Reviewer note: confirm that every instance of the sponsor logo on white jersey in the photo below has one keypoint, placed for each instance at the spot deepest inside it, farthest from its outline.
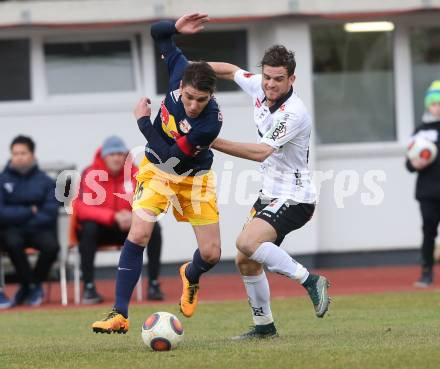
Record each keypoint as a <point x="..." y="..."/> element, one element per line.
<point x="280" y="131"/>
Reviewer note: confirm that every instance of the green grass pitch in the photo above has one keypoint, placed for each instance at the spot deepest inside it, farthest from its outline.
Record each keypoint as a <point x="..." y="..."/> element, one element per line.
<point x="399" y="330"/>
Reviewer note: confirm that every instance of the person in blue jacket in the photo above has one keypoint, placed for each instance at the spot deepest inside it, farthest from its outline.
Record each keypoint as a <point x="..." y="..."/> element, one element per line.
<point x="28" y="218"/>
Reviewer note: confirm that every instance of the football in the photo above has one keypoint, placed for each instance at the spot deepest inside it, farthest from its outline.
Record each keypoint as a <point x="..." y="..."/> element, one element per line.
<point x="162" y="331"/>
<point x="422" y="150"/>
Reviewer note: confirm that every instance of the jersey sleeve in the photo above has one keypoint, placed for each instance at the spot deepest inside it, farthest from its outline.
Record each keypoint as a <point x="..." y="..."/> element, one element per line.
<point x="249" y="83"/>
<point x="286" y="126"/>
<point x="162" y="33"/>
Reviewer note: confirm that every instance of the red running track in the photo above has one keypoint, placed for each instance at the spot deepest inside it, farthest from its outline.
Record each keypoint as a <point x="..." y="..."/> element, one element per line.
<point x="216" y="287"/>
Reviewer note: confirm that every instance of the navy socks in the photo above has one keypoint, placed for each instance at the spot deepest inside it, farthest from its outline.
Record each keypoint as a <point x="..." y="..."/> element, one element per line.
<point x="197" y="267"/>
<point x="129" y="271"/>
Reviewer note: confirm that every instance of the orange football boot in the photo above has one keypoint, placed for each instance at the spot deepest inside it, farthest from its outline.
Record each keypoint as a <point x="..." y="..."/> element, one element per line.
<point x="112" y="323"/>
<point x="189" y="299"/>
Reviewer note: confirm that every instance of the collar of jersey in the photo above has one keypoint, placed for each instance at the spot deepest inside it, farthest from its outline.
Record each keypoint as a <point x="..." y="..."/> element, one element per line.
<point x="279" y="102"/>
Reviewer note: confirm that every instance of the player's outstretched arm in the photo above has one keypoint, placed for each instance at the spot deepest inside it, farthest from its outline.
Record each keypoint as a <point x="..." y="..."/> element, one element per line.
<point x="163" y="32"/>
<point x="224" y="70"/>
<point x="251" y="151"/>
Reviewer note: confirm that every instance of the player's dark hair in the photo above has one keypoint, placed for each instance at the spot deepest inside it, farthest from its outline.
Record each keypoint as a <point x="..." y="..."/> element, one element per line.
<point x="24" y="140"/>
<point x="279" y="56"/>
<point x="201" y="76"/>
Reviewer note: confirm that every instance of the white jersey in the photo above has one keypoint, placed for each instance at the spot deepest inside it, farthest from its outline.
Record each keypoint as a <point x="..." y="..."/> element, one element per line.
<point x="285" y="126"/>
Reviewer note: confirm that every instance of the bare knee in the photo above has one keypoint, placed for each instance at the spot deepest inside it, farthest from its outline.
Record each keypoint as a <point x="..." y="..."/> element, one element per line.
<point x="139" y="235"/>
<point x="246" y="266"/>
<point x="246" y="244"/>
<point x="211" y="252"/>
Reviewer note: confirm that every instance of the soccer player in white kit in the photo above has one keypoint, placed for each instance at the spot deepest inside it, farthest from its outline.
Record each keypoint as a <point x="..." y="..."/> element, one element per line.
<point x="287" y="197"/>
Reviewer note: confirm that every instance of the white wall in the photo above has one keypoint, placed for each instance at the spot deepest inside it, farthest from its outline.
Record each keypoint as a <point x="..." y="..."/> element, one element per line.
<point x="350" y="224"/>
<point x="71" y="131"/>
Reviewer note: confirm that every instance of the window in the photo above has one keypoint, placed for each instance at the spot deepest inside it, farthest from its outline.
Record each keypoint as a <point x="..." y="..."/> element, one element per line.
<point x="88" y="67"/>
<point x="15" y="70"/>
<point x="425" y="52"/>
<point x="225" y="46"/>
<point x="353" y="85"/>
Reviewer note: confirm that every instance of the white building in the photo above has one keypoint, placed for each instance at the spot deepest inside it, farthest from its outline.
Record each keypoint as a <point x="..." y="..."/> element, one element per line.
<point x="71" y="71"/>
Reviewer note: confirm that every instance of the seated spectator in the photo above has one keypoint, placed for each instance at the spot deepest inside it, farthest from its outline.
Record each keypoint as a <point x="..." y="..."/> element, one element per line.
<point x="28" y="218"/>
<point x="103" y="210"/>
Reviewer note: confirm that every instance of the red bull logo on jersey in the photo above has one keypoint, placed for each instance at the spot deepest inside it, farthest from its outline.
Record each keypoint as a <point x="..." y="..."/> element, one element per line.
<point x="164" y="114"/>
<point x="168" y="123"/>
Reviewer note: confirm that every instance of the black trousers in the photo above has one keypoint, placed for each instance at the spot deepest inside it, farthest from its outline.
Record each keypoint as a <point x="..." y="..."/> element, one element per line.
<point x="430" y="210"/>
<point x="93" y="235"/>
<point x="15" y="242"/>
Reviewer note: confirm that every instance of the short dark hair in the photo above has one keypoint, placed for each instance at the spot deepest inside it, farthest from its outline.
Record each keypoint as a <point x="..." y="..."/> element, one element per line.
<point x="279" y="56"/>
<point x="201" y="76"/>
<point x="24" y="140"/>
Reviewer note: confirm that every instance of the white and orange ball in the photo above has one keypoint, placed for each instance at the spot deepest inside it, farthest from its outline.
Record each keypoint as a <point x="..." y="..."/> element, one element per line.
<point x="421" y="151"/>
<point x="162" y="331"/>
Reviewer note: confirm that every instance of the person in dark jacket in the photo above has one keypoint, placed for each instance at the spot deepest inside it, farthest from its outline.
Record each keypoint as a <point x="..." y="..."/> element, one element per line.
<point x="428" y="183"/>
<point x="107" y="219"/>
<point x="28" y="218"/>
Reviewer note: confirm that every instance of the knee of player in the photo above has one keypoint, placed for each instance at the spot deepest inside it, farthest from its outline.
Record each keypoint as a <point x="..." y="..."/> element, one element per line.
<point x="246" y="244"/>
<point x="139" y="236"/>
<point x="212" y="254"/>
<point x="248" y="267"/>
<point x="241" y="261"/>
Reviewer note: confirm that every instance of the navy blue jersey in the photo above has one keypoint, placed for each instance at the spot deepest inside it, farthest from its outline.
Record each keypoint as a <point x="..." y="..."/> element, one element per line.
<point x="187" y="138"/>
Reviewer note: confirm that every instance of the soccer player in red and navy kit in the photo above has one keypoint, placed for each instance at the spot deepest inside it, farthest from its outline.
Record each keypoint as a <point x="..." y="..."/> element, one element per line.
<point x="176" y="171"/>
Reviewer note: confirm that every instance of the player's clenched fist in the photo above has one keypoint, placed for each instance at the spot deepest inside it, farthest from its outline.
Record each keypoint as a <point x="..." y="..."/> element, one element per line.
<point x="142" y="108"/>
